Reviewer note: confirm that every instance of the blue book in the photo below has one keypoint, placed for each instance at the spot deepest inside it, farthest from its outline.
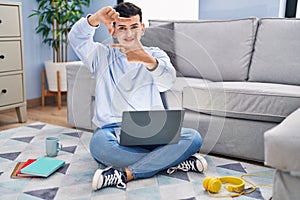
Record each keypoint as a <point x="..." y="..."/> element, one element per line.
<point x="43" y="167"/>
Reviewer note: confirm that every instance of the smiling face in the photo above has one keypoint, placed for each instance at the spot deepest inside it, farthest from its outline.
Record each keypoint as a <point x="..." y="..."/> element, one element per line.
<point x="127" y="32"/>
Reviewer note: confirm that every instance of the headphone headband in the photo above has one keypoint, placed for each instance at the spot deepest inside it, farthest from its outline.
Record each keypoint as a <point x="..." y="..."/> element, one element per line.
<point x="214" y="184"/>
<point x="236" y="184"/>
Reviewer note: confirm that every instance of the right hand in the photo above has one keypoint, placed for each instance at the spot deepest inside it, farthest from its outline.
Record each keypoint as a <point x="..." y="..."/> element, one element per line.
<point x="106" y="15"/>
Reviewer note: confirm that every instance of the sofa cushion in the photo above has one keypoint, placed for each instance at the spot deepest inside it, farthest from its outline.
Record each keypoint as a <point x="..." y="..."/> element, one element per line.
<point x="215" y="50"/>
<point x="277" y="48"/>
<point x="173" y="97"/>
<point x="80" y="95"/>
<point x="282" y="144"/>
<point x="245" y="100"/>
<point x="160" y="34"/>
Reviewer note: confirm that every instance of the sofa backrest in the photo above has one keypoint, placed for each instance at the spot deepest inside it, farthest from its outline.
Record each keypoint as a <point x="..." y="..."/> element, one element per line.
<point x="276" y="57"/>
<point x="215" y="50"/>
<point x="160" y="34"/>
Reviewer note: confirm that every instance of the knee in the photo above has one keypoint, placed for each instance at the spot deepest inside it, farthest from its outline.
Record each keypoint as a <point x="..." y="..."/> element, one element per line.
<point x="193" y="135"/>
<point x="97" y="144"/>
<point x="94" y="143"/>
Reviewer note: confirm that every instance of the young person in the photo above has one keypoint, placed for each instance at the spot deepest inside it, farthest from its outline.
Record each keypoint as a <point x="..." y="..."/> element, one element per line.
<point x="129" y="76"/>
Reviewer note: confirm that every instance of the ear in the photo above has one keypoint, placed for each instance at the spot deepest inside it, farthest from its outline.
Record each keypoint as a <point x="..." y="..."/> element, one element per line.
<point x="143" y="29"/>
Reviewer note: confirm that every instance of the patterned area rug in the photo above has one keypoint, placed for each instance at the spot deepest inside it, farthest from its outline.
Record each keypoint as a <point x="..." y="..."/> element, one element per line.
<point x="73" y="181"/>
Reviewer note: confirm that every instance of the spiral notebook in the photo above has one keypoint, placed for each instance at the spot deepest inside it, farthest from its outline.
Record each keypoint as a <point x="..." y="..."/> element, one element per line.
<point x="43" y="167"/>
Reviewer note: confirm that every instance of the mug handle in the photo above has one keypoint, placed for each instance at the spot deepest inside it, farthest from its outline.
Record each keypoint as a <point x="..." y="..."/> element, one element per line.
<point x="59" y="146"/>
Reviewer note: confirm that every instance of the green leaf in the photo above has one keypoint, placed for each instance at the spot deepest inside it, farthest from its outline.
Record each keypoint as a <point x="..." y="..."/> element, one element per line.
<point x="62" y="12"/>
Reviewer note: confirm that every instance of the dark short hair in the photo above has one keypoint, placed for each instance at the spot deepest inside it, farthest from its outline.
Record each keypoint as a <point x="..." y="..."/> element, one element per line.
<point x="127" y="9"/>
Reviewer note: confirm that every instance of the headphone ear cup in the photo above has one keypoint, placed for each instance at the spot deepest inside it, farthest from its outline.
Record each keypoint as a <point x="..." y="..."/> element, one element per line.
<point x="206" y="182"/>
<point x="212" y="184"/>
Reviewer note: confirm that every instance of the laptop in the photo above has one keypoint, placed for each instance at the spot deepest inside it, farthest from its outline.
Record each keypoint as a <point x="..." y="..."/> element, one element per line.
<point x="153" y="127"/>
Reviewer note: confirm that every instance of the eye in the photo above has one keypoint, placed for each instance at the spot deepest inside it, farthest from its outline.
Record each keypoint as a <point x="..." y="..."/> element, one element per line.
<point x="134" y="27"/>
<point x="122" y="28"/>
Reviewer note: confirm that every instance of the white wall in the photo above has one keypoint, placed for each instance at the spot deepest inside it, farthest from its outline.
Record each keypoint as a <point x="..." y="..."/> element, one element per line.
<point x="167" y="10"/>
<point x="232" y="9"/>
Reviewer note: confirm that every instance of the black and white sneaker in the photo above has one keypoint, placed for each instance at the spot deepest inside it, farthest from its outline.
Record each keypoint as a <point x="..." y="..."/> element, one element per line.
<point x="108" y="177"/>
<point x="196" y="163"/>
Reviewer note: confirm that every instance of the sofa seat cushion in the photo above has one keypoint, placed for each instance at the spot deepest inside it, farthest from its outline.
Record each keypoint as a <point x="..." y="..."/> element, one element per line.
<point x="173" y="97"/>
<point x="282" y="144"/>
<point x="245" y="100"/>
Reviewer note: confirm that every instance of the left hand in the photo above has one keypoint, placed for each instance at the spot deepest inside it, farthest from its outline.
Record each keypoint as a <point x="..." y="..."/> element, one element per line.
<point x="135" y="53"/>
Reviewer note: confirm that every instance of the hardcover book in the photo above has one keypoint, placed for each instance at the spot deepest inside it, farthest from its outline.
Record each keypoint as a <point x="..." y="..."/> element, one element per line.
<point x="16" y="173"/>
<point x="28" y="162"/>
<point x="43" y="167"/>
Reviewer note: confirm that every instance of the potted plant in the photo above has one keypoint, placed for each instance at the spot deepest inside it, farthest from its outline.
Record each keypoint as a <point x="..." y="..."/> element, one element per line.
<point x="56" y="17"/>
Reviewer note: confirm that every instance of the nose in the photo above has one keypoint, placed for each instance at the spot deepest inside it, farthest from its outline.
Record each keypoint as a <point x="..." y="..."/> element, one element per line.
<point x="128" y="33"/>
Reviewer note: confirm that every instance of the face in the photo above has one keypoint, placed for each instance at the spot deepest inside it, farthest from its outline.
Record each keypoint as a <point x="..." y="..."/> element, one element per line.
<point x="127" y="32"/>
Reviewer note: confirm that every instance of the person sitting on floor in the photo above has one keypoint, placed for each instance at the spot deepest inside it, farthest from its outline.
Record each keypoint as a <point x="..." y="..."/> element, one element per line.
<point x="129" y="76"/>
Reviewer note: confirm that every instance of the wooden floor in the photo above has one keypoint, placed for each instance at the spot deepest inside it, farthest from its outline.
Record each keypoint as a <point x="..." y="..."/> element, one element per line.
<point x="48" y="114"/>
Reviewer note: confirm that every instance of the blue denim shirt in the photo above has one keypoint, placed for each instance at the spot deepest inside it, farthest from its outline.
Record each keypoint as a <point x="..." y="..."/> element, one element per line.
<point x="120" y="85"/>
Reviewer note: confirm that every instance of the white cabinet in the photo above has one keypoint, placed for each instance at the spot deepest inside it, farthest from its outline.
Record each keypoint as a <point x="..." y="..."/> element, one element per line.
<point x="12" y="78"/>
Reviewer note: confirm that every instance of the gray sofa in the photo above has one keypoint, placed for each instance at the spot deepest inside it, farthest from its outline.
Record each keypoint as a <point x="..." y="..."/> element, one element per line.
<point x="236" y="79"/>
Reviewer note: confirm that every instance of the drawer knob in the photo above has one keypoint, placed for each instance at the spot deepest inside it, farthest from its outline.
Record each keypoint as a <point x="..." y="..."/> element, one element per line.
<point x="0" y="21"/>
<point x="3" y="91"/>
<point x="2" y="56"/>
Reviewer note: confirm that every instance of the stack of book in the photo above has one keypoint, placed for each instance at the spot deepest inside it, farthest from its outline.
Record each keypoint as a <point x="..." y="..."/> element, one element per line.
<point x="34" y="168"/>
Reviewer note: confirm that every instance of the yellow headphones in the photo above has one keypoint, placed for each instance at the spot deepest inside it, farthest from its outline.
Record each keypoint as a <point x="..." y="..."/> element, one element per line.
<point x="214" y="185"/>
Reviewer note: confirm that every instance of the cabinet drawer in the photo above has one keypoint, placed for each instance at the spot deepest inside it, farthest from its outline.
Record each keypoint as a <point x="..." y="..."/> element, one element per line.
<point x="10" y="56"/>
<point x="9" y="21"/>
<point x="11" y="90"/>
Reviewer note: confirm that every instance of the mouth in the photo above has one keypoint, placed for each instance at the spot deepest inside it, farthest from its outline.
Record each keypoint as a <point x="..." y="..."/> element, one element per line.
<point x="129" y="39"/>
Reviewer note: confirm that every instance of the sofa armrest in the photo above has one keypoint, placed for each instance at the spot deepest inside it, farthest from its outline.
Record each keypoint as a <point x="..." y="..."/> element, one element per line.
<point x="80" y="95"/>
<point x="282" y="144"/>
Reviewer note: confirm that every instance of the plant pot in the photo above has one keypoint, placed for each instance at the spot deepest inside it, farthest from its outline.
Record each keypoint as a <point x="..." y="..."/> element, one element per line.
<point x="51" y="69"/>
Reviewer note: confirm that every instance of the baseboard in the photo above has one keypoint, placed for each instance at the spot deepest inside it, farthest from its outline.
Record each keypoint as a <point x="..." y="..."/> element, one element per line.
<point x="50" y="100"/>
<point x="33" y="102"/>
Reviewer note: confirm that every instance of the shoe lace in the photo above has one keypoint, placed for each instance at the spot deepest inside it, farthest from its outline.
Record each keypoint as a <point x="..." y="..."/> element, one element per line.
<point x="185" y="166"/>
<point x="114" y="179"/>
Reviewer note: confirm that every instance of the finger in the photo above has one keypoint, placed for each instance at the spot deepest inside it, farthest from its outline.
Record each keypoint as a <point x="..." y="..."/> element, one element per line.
<point x="121" y="47"/>
<point x="111" y="13"/>
<point x="117" y="45"/>
<point x="107" y="9"/>
<point x="115" y="16"/>
<point x="122" y="19"/>
<point x="110" y="28"/>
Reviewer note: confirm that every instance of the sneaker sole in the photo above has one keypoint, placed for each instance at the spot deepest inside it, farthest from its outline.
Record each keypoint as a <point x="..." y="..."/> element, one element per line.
<point x="97" y="176"/>
<point x="203" y="162"/>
